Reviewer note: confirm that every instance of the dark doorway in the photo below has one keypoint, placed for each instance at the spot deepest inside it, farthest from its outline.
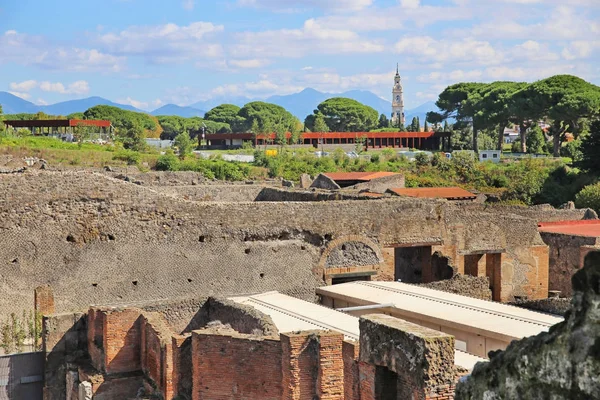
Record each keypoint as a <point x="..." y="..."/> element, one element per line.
<point x="409" y="263"/>
<point x="440" y="267"/>
<point x="386" y="384"/>
<point x="346" y="279"/>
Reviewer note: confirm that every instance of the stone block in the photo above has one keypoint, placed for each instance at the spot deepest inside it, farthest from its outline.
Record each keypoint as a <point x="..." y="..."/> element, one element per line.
<point x="324" y="182"/>
<point x="421" y="357"/>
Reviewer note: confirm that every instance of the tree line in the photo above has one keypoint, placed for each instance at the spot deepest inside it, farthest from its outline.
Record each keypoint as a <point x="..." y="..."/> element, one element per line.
<point x="566" y="102"/>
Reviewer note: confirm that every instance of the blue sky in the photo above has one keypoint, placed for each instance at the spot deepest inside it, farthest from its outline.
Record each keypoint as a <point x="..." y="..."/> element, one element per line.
<point x="152" y="52"/>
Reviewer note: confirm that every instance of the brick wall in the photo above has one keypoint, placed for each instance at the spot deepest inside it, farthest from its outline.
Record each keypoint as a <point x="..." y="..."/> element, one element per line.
<point x="350" y="352"/>
<point x="330" y="381"/>
<point x="157" y="353"/>
<point x="122" y="340"/>
<point x="44" y="300"/>
<point x="299" y="364"/>
<point x="227" y="366"/>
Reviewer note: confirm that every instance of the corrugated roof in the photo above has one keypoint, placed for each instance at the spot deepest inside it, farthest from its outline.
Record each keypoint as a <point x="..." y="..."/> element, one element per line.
<point x="588" y="228"/>
<point x="451" y="193"/>
<point x="291" y="315"/>
<point x="358" y="176"/>
<point x="488" y="318"/>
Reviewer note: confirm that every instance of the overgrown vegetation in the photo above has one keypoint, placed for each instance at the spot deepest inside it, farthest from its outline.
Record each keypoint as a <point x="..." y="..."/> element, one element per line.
<point x="17" y="334"/>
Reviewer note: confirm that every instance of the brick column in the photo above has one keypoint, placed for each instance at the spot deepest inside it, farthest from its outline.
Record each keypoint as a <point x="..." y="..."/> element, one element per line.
<point x="351" y="377"/>
<point x="122" y="340"/>
<point x="330" y="383"/>
<point x="44" y="300"/>
<point x="299" y="365"/>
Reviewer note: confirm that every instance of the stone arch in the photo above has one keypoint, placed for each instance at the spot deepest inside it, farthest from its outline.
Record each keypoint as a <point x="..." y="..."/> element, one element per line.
<point x="351" y="254"/>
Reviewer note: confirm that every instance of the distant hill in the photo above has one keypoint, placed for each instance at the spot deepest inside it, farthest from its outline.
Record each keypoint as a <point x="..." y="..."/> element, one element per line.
<point x="239" y="101"/>
<point x="420" y="111"/>
<point x="173" y="109"/>
<point x="80" y="105"/>
<point x="305" y="102"/>
<point x="14" y="105"/>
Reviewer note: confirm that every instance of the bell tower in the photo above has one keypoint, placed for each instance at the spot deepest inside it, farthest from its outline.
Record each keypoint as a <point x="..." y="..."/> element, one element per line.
<point x="398" y="100"/>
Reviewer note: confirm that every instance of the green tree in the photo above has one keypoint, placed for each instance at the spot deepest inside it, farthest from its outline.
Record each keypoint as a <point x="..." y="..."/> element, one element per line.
<point x="426" y="127"/>
<point x="183" y="142"/>
<point x="536" y="142"/>
<point x="123" y="120"/>
<point x="589" y="197"/>
<point x="565" y="100"/>
<point x="319" y="123"/>
<point x="414" y="126"/>
<point x="462" y="102"/>
<point x="347" y="115"/>
<point x="268" y="116"/>
<point x="225" y="113"/>
<point x="383" y="122"/>
<point x="590" y="147"/>
<point x="134" y="136"/>
<point x="446" y="127"/>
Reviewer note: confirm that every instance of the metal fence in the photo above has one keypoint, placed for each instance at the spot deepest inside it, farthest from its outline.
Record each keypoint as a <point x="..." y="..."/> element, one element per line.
<point x="22" y="376"/>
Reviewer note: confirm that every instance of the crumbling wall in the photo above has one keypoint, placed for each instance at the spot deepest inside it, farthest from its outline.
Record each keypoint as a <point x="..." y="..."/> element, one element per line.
<point x="280" y="194"/>
<point x="473" y="286"/>
<point x="381" y="185"/>
<point x="102" y="240"/>
<point x="560" y="364"/>
<point x="220" y="193"/>
<point x="565" y="258"/>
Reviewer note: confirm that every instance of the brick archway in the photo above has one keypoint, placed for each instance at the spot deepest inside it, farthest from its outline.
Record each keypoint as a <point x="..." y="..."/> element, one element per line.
<point x="350" y="257"/>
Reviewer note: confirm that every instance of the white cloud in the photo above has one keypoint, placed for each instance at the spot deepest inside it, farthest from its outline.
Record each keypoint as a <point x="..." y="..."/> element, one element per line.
<point x="534" y="51"/>
<point x="136" y="103"/>
<point x="22" y="95"/>
<point x="580" y="49"/>
<point x="410" y="3"/>
<point x="295" y="43"/>
<point x="188" y="4"/>
<point x="251" y="63"/>
<point x="78" y="87"/>
<point x="453" y="76"/>
<point x="24" y="86"/>
<point x="24" y="49"/>
<point x="165" y="43"/>
<point x="41" y="102"/>
<point x="297" y="5"/>
<point x="427" y="49"/>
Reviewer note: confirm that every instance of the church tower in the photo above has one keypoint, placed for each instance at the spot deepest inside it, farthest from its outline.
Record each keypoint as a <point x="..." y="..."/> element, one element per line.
<point x="398" y="100"/>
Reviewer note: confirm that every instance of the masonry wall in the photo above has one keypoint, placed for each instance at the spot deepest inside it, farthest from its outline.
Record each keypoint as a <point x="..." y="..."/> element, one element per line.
<point x="79" y="229"/>
<point x="565" y="258"/>
<point x="226" y="367"/>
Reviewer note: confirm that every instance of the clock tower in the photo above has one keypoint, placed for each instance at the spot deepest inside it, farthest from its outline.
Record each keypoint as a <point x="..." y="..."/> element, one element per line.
<point x="398" y="100"/>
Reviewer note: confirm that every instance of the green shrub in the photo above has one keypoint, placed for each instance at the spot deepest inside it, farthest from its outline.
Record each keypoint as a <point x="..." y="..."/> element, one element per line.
<point x="589" y="197"/>
<point x="422" y="160"/>
<point x="129" y="156"/>
<point x="167" y="162"/>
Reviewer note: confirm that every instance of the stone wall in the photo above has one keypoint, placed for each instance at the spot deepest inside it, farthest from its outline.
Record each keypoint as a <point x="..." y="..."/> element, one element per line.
<point x="280" y="194"/>
<point x="102" y="240"/>
<point x="560" y="364"/>
<point x="220" y="193"/>
<point x="565" y="258"/>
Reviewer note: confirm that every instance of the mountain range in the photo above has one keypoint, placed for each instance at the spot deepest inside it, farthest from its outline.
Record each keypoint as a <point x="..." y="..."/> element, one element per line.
<point x="299" y="104"/>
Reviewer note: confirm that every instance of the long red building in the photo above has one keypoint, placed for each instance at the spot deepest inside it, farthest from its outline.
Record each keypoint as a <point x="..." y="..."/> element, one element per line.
<point x="51" y="126"/>
<point x="417" y="140"/>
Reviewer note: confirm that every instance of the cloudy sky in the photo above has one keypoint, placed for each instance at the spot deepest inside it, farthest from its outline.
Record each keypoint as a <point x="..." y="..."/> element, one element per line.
<point x="151" y="52"/>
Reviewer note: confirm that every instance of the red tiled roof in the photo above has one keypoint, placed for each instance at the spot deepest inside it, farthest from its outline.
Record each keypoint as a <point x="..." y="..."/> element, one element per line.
<point x="454" y="193"/>
<point x="357" y="176"/>
<point x="589" y="228"/>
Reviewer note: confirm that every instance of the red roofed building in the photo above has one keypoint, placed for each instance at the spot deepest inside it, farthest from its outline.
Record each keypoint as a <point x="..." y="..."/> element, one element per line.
<point x="372" y="140"/>
<point x="569" y="243"/>
<point x="59" y="126"/>
<point x="448" y="193"/>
